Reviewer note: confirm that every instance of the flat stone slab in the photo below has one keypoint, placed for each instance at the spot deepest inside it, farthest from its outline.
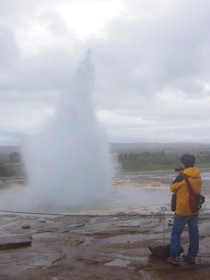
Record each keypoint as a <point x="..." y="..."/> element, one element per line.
<point x="14" y="242"/>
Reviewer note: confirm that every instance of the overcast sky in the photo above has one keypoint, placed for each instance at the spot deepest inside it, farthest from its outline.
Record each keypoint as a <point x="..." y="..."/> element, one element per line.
<point x="151" y="60"/>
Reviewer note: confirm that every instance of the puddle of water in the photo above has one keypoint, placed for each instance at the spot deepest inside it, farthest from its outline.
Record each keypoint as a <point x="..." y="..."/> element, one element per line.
<point x="118" y="262"/>
<point x="43" y="235"/>
<point x="123" y="260"/>
<point x="128" y="238"/>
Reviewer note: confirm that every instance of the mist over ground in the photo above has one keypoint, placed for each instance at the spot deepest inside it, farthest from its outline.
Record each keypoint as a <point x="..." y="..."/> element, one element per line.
<point x="68" y="163"/>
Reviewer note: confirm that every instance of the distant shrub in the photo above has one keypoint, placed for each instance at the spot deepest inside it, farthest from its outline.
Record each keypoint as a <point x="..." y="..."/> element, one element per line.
<point x="141" y="161"/>
<point x="10" y="170"/>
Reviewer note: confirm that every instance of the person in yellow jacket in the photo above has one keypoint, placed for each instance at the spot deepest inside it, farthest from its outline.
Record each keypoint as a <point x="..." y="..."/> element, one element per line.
<point x="183" y="214"/>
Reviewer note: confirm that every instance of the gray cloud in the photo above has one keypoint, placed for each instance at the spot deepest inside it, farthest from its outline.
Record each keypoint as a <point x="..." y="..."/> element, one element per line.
<point x="8" y="48"/>
<point x="168" y="52"/>
<point x="151" y="66"/>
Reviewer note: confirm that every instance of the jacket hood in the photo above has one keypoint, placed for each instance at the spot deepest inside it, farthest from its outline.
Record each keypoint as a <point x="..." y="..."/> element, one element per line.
<point x="192" y="172"/>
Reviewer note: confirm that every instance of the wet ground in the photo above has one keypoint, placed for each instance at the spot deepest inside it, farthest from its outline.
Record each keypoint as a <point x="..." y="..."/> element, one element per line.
<point x="108" y="246"/>
<point x="94" y="247"/>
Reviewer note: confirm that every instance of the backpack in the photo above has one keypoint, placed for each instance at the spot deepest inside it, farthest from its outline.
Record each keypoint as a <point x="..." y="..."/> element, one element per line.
<point x="173" y="202"/>
<point x="195" y="199"/>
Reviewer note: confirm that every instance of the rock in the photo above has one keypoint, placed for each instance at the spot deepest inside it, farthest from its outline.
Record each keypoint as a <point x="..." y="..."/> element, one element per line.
<point x="162" y="249"/>
<point x="26" y="227"/>
<point x="14" y="242"/>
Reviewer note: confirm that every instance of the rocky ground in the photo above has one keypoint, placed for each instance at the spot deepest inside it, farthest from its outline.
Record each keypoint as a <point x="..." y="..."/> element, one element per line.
<point x="114" y="246"/>
<point x="93" y="247"/>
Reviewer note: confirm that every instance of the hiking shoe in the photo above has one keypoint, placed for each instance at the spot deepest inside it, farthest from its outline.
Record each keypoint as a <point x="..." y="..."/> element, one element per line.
<point x="173" y="261"/>
<point x="188" y="259"/>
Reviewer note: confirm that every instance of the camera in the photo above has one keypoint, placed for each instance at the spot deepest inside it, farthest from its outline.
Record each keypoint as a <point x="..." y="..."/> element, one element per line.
<point x="178" y="169"/>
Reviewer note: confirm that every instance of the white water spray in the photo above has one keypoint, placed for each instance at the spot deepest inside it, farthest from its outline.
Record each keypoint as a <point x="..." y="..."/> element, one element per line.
<point x="68" y="163"/>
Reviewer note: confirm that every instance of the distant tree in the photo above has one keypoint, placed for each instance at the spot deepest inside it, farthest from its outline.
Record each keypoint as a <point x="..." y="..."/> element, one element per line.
<point x="14" y="157"/>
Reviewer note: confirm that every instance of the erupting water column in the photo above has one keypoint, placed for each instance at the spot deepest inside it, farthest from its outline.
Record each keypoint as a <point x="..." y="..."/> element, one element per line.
<point x="68" y="164"/>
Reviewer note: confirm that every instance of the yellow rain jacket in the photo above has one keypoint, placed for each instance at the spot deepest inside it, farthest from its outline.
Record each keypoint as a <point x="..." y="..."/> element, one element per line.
<point x="180" y="188"/>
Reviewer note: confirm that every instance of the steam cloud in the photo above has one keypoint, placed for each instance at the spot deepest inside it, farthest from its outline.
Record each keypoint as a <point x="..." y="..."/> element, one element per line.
<point x="68" y="164"/>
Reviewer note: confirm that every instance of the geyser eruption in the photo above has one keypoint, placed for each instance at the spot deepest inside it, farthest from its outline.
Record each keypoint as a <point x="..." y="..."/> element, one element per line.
<point x="68" y="163"/>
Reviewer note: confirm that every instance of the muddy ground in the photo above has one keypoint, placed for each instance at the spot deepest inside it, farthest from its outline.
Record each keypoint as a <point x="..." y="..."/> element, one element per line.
<point x="115" y="246"/>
